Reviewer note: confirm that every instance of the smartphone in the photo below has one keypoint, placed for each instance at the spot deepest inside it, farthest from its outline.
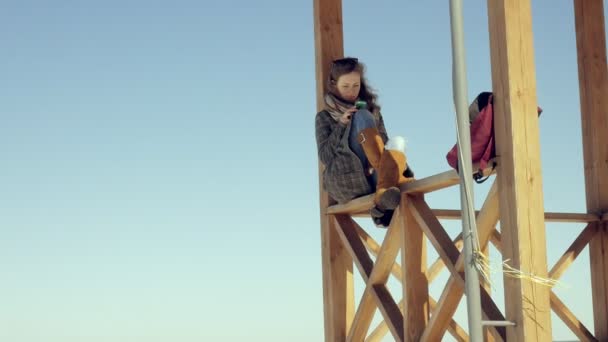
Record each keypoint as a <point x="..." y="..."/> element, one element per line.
<point x="360" y="104"/>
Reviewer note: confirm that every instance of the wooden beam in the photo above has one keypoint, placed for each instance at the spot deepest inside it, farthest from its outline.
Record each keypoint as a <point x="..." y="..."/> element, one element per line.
<point x="420" y="186"/>
<point x="454" y="289"/>
<point x="379" y="276"/>
<point x="338" y="286"/>
<point x="487" y="332"/>
<point x="436" y="182"/>
<point x="433" y="272"/>
<point x="519" y="167"/>
<point x="389" y="310"/>
<point x="560" y="309"/>
<point x="593" y="87"/>
<point x="455" y="214"/>
<point x="440" y="240"/>
<point x="373" y="247"/>
<point x="598" y="260"/>
<point x="329" y="42"/>
<point x="496" y="239"/>
<point x="355" y="206"/>
<point x="453" y="328"/>
<point x="413" y="259"/>
<point x="382" y="328"/>
<point x="572" y="252"/>
<point x="577" y="327"/>
<point x="347" y="229"/>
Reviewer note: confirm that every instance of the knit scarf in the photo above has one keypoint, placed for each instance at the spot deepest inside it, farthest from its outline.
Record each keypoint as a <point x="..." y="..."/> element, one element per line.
<point x="336" y="106"/>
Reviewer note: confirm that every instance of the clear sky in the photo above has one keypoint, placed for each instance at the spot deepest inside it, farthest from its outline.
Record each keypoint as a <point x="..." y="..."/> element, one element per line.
<point x="159" y="170"/>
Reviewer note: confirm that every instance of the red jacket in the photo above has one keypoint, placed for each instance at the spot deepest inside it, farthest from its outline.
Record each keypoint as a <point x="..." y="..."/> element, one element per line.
<point x="482" y="133"/>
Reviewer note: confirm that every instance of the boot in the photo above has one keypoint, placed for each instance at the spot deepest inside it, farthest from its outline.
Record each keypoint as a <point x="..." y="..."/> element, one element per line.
<point x="373" y="145"/>
<point x="390" y="166"/>
<point x="390" y="176"/>
<point x="385" y="220"/>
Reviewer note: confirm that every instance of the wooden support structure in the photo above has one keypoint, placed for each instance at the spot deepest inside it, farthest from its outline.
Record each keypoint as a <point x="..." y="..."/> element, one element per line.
<point x="338" y="284"/>
<point x="413" y="256"/>
<point x="519" y="167"/>
<point x="593" y="85"/>
<point x="515" y="199"/>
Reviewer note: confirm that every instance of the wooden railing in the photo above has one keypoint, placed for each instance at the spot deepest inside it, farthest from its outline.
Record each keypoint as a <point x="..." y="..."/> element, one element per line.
<point x="418" y="316"/>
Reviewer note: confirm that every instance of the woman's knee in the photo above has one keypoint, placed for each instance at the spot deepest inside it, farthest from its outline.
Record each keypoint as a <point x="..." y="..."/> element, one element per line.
<point x="396" y="143"/>
<point x="363" y="118"/>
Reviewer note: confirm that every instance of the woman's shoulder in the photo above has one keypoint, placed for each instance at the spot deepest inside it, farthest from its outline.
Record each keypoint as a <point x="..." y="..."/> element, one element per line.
<point x="322" y="112"/>
<point x="323" y="115"/>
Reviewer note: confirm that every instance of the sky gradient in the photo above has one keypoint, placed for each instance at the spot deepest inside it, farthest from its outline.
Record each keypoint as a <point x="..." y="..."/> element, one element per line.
<point x="159" y="170"/>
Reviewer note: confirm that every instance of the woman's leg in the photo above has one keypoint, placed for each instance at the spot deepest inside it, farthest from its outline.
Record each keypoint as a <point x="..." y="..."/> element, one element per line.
<point x="362" y="119"/>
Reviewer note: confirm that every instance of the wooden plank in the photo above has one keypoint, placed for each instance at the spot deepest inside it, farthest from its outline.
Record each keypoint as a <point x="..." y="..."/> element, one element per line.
<point x="457" y="332"/>
<point x="382" y="328"/>
<point x="496" y="240"/>
<point x="329" y="42"/>
<point x="488" y="336"/>
<point x="435" y="182"/>
<point x="360" y="206"/>
<point x="356" y="206"/>
<point x="440" y="181"/>
<point x="352" y="241"/>
<point x="373" y="247"/>
<point x="598" y="259"/>
<point x="365" y="313"/>
<point x="433" y="272"/>
<point x="454" y="328"/>
<point x="519" y="167"/>
<point x="413" y="259"/>
<point x="380" y="273"/>
<point x="450" y="297"/>
<point x="577" y="327"/>
<point x="593" y="87"/>
<point x="442" y="313"/>
<point x="572" y="252"/>
<point x="440" y="240"/>
<point x="560" y="309"/>
<point x="454" y="214"/>
<point x="337" y="266"/>
<point x="390" y="311"/>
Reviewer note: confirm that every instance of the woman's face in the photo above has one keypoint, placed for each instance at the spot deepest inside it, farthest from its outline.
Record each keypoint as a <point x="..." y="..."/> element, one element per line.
<point x="349" y="85"/>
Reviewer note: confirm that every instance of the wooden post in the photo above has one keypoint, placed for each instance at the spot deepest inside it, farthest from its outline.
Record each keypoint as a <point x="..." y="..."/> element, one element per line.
<point x="415" y="283"/>
<point x="519" y="167"/>
<point x="338" y="286"/>
<point x="487" y="332"/>
<point x="593" y="85"/>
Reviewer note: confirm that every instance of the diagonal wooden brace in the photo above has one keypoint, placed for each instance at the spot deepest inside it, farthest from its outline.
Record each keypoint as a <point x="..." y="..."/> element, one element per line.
<point x="486" y="222"/>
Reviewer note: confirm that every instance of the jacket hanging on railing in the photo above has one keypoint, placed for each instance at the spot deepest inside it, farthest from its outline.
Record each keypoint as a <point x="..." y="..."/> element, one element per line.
<point x="481" y="118"/>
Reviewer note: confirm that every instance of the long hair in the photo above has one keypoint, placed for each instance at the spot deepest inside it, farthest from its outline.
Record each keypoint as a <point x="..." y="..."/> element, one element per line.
<point x="345" y="66"/>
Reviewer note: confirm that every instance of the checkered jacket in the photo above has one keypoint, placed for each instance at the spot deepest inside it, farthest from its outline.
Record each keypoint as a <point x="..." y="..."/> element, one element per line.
<point x="343" y="176"/>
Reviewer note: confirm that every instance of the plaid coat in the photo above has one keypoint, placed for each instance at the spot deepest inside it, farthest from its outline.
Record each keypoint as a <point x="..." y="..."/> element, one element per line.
<point x="343" y="176"/>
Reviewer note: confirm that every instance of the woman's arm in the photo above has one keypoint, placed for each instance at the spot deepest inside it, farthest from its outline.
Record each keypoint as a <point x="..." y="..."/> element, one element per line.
<point x="327" y="140"/>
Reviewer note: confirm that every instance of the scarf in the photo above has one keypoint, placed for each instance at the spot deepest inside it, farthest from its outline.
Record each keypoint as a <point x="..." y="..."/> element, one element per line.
<point x="336" y="106"/>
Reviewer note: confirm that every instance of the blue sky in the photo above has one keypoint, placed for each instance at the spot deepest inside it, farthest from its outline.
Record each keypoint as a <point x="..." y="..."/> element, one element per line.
<point x="159" y="173"/>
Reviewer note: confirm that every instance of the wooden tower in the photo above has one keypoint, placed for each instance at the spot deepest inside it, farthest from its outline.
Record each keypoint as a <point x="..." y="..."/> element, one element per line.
<point x="515" y="199"/>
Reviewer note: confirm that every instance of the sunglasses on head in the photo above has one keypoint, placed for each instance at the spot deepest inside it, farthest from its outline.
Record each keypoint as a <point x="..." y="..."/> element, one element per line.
<point x="345" y="61"/>
<point x="349" y="62"/>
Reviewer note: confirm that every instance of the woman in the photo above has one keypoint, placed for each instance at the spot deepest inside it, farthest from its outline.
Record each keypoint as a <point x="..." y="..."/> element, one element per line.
<point x="351" y="144"/>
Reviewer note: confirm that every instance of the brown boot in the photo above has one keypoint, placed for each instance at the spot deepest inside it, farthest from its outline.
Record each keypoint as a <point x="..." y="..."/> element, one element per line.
<point x="390" y="166"/>
<point x="390" y="175"/>
<point x="373" y="146"/>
